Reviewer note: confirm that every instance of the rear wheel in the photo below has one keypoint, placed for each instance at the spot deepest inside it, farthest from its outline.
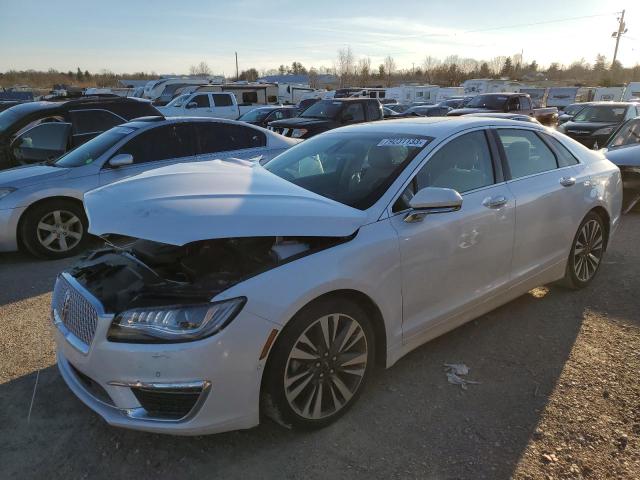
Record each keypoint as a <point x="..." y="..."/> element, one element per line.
<point x="320" y="364"/>
<point x="586" y="252"/>
<point x="55" y="229"/>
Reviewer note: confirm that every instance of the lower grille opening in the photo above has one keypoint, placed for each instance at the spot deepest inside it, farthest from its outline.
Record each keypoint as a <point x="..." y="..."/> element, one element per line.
<point x="93" y="387"/>
<point x="170" y="403"/>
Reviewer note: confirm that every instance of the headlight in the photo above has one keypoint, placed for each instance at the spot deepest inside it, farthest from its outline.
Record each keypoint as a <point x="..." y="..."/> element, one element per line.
<point x="177" y="323"/>
<point x="604" y="131"/>
<point x="298" y="132"/>
<point x="6" y="191"/>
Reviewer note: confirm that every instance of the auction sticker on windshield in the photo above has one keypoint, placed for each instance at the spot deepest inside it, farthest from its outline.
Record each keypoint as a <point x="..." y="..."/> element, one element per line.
<point x="403" y="142"/>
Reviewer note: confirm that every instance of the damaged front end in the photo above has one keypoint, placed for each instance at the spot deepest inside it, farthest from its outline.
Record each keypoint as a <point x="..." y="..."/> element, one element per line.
<point x="162" y="293"/>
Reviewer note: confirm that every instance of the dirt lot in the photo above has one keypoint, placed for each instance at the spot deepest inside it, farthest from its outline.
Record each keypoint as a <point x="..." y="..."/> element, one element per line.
<point x="559" y="398"/>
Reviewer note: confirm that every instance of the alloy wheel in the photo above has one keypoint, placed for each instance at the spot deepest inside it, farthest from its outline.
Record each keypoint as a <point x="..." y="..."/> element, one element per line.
<point x="59" y="231"/>
<point x="588" y="250"/>
<point x="326" y="366"/>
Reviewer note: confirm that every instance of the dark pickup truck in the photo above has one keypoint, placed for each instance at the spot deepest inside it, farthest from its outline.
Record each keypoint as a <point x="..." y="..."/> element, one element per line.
<point x="327" y="115"/>
<point x="508" y="103"/>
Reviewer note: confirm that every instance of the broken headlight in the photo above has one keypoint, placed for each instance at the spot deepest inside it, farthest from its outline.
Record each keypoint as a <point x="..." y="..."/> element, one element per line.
<point x="177" y="323"/>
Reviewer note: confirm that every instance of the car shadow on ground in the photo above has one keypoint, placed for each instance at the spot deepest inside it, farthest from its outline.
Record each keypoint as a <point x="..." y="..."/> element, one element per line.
<point x="409" y="423"/>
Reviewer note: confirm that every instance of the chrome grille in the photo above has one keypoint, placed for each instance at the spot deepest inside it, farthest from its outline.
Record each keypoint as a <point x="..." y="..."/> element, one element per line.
<point x="74" y="311"/>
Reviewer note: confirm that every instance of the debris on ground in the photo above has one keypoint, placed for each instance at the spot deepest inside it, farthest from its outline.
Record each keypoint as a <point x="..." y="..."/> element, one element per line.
<point x="455" y="372"/>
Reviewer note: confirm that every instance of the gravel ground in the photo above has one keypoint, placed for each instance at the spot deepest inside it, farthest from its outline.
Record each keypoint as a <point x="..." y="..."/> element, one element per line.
<point x="558" y="398"/>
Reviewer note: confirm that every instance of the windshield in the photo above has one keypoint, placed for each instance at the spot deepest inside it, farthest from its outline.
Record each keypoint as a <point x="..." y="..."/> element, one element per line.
<point x="573" y="109"/>
<point x="256" y="115"/>
<point x="323" y="109"/>
<point x="491" y="102"/>
<point x="601" y="114"/>
<point x="352" y="168"/>
<point x="629" y="134"/>
<point x="178" y="101"/>
<point x="88" y="152"/>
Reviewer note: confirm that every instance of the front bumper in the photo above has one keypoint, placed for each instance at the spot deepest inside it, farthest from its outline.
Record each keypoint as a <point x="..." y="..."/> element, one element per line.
<point x="9" y="219"/>
<point x="226" y="366"/>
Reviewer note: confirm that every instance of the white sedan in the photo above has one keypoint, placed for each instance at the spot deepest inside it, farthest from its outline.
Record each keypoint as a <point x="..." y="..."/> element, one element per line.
<point x="245" y="289"/>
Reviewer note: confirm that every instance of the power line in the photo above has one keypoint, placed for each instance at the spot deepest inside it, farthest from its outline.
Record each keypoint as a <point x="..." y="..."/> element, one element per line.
<point x="560" y="20"/>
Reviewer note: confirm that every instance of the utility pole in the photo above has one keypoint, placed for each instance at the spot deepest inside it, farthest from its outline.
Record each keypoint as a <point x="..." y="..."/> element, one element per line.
<point x="237" y="74"/>
<point x="622" y="29"/>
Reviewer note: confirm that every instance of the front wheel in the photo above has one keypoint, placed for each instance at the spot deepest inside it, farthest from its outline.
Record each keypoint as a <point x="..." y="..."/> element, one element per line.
<point x="320" y="364"/>
<point x="586" y="252"/>
<point x="55" y="229"/>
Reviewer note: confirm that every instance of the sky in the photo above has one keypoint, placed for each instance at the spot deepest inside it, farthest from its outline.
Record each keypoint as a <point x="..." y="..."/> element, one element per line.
<point x="168" y="36"/>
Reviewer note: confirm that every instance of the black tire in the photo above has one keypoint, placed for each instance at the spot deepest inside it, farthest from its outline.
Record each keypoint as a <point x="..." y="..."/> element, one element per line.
<point x="308" y="321"/>
<point x="70" y="229"/>
<point x="576" y="276"/>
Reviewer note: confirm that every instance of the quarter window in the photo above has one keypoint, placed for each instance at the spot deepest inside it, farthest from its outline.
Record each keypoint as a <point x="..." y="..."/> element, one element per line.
<point x="565" y="157"/>
<point x="526" y="153"/>
<point x="161" y="143"/>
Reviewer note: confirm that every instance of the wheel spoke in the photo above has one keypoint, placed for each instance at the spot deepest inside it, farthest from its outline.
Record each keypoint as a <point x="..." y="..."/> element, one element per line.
<point x="291" y="380"/>
<point x="72" y="221"/>
<point x="56" y="217"/>
<point x="302" y="355"/>
<point x="46" y="227"/>
<point x="317" y="406"/>
<point x="324" y="326"/>
<point x="49" y="240"/>
<point x="62" y="241"/>
<point x="293" y="394"/>
<point x="75" y="235"/>
<point x="356" y="338"/>
<point x="342" y="388"/>
<point x="354" y="360"/>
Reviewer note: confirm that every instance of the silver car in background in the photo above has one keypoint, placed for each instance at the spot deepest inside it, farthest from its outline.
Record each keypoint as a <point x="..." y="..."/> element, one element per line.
<point x="41" y="205"/>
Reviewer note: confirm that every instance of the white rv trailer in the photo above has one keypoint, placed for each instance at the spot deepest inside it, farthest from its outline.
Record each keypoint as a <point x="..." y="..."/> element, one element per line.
<point x="406" y="94"/>
<point x="445" y="93"/>
<point x="608" y="94"/>
<point x="631" y="91"/>
<point x="292" y="93"/>
<point x="361" y="92"/>
<point x="476" y="86"/>
<point x="562" y="96"/>
<point x="155" y="88"/>
<point x="247" y="94"/>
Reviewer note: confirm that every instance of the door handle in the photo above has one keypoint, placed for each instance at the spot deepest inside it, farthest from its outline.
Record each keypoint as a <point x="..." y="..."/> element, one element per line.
<point x="567" y="181"/>
<point x="495" y="202"/>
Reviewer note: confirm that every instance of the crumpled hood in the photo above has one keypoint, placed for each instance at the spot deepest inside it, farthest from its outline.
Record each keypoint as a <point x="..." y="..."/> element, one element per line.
<point x="29" y="174"/>
<point x="624" y="156"/>
<point x="187" y="202"/>
<point x="463" y="111"/>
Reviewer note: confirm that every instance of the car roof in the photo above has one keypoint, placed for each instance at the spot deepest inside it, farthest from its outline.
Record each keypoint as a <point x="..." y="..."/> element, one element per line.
<point x="434" y="126"/>
<point x="613" y="104"/>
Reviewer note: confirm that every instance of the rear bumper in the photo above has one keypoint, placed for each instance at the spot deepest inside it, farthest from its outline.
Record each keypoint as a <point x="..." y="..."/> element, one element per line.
<point x="9" y="219"/>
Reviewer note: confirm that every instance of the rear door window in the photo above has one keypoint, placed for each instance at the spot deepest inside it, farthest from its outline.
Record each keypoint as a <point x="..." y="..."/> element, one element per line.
<point x="526" y="153"/>
<point x="93" y="121"/>
<point x="162" y="143"/>
<point x="221" y="137"/>
<point x="355" y="111"/>
<point x="222" y="100"/>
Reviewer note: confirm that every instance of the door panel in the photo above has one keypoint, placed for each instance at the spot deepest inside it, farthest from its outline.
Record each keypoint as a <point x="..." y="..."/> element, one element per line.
<point x="452" y="260"/>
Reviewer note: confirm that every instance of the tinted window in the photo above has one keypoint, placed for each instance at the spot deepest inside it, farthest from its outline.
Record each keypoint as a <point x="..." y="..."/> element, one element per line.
<point x="354" y="169"/>
<point x="356" y="111"/>
<point x="525" y="104"/>
<point x="491" y="102"/>
<point x="373" y="111"/>
<point x="222" y="100"/>
<point x="629" y="134"/>
<point x="46" y="136"/>
<point x="323" y="109"/>
<point x="201" y="100"/>
<point x="526" y="152"/>
<point x="249" y="97"/>
<point x="92" y="121"/>
<point x="161" y="143"/>
<point x="88" y="152"/>
<point x="463" y="164"/>
<point x="565" y="157"/>
<point x="221" y="137"/>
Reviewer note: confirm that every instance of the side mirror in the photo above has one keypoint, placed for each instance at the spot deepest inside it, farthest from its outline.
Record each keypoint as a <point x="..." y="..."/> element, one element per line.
<point x="192" y="105"/>
<point x="433" y="200"/>
<point x="121" y="160"/>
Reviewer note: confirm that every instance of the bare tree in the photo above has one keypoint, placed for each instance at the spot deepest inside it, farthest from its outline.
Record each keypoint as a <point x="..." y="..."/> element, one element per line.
<point x="313" y="77"/>
<point x="496" y="64"/>
<point x="389" y="67"/>
<point x="430" y="64"/>
<point x="345" y="65"/>
<point x="364" y="70"/>
<point x="201" y="69"/>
